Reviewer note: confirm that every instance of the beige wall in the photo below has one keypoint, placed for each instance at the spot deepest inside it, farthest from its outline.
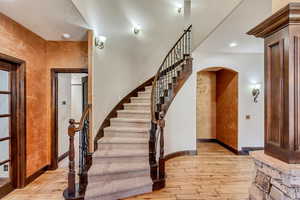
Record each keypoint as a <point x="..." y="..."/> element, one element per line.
<point x="206" y="105"/>
<point x="277" y="4"/>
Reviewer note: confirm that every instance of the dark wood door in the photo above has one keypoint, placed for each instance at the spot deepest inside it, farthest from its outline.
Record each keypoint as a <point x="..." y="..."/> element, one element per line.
<point x="12" y="127"/>
<point x="6" y="131"/>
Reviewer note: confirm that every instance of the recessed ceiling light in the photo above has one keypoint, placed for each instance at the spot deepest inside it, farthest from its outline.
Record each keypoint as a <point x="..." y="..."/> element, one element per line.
<point x="233" y="44"/>
<point x="66" y="35"/>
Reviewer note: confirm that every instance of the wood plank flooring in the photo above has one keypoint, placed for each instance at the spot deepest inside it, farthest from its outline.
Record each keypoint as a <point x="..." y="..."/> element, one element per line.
<point x="215" y="174"/>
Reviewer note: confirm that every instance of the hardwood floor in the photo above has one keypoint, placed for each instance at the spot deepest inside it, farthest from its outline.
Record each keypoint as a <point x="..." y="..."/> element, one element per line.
<point x="215" y="174"/>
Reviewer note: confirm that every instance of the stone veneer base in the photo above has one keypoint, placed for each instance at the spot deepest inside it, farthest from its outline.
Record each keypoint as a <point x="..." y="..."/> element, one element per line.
<point x="274" y="179"/>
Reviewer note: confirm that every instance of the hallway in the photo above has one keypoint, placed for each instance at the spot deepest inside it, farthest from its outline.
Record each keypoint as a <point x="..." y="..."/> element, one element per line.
<point x="215" y="174"/>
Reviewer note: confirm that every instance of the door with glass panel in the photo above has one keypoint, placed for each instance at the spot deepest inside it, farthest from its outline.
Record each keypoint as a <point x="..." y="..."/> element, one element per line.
<point x="5" y="125"/>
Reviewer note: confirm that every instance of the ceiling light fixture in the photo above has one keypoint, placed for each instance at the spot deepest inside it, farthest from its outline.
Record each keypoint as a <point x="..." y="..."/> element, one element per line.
<point x="99" y="42"/>
<point x="66" y="36"/>
<point x="136" y="29"/>
<point x="233" y="44"/>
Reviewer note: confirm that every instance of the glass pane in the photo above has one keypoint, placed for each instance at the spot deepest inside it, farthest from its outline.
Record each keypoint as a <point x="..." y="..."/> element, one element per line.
<point x="4" y="80"/>
<point x="4" y="150"/>
<point x="4" y="104"/>
<point x="4" y="127"/>
<point x="4" y="174"/>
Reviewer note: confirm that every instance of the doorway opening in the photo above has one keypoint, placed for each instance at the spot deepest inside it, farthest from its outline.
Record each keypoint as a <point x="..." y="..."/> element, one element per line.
<point x="12" y="124"/>
<point x="69" y="99"/>
<point x="217" y="107"/>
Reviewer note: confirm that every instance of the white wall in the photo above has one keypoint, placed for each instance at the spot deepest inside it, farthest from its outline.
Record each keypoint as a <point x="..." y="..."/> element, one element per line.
<point x="64" y="111"/>
<point x="180" y="131"/>
<point x="127" y="59"/>
<point x="76" y="96"/>
<point x="69" y="90"/>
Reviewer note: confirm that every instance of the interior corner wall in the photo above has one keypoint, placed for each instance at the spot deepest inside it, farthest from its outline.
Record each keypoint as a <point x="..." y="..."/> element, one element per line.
<point x="206" y="105"/>
<point x="17" y="41"/>
<point x="39" y="56"/>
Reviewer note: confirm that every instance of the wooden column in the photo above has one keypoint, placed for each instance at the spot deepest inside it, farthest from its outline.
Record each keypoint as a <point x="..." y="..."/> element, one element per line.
<point x="281" y="33"/>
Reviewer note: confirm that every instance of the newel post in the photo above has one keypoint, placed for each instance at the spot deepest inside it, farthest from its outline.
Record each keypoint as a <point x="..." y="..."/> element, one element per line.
<point x="161" y="124"/>
<point x="152" y="151"/>
<point x="71" y="174"/>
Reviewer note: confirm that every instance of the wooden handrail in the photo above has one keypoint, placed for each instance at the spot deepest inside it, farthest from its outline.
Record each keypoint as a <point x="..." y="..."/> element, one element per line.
<point x="83" y="117"/>
<point x="189" y="29"/>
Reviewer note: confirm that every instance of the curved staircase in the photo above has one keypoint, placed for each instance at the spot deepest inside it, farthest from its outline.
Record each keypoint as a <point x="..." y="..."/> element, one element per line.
<point x="129" y="154"/>
<point x="121" y="164"/>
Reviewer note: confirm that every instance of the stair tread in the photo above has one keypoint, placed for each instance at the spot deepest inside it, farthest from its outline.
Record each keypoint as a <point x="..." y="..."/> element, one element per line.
<point x="122" y="153"/>
<point x="119" y="185"/>
<point x="147" y="98"/>
<point x="137" y="104"/>
<point x="118" y="119"/>
<point x="111" y="168"/>
<point x="126" y="129"/>
<point x="146" y="91"/>
<point x="134" y="111"/>
<point x="120" y="140"/>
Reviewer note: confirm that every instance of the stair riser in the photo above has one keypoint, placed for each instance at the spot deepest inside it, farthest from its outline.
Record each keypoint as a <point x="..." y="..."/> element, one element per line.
<point x="113" y="146"/>
<point x="136" y="107"/>
<point x="144" y="94"/>
<point x="125" y="134"/>
<point x="148" y="89"/>
<point x="141" y="100"/>
<point x="117" y="176"/>
<point x="130" y="124"/>
<point x="101" y="160"/>
<point x="135" y="115"/>
<point x="120" y="195"/>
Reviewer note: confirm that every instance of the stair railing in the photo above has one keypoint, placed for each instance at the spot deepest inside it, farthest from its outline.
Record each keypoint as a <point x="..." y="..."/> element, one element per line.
<point x="74" y="190"/>
<point x="163" y="91"/>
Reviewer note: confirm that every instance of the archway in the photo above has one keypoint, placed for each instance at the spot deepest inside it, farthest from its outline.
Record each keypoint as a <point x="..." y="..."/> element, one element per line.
<point x="217" y="107"/>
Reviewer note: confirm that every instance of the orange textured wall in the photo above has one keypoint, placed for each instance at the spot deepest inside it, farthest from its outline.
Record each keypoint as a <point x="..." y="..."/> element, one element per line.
<point x="206" y="105"/>
<point x="227" y="107"/>
<point x="19" y="42"/>
<point x="75" y="54"/>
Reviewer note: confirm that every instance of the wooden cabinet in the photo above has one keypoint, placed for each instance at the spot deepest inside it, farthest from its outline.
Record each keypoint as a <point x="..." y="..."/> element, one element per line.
<point x="281" y="33"/>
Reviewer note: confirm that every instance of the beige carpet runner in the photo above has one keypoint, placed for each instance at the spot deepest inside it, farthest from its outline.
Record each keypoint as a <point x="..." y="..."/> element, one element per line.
<point x="121" y="165"/>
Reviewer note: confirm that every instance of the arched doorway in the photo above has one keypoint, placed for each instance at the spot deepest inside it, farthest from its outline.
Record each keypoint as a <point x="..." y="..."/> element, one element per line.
<point x="217" y="106"/>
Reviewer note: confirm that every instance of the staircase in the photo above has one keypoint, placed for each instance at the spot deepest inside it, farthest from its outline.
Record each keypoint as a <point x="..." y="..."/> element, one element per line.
<point x="121" y="165"/>
<point x="131" y="138"/>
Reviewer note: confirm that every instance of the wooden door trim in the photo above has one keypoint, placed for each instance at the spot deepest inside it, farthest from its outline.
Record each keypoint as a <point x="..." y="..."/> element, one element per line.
<point x="18" y="153"/>
<point x="54" y="127"/>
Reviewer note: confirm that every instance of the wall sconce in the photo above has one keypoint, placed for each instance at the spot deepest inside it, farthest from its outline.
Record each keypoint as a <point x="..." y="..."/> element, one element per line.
<point x="179" y="9"/>
<point x="256" y="91"/>
<point x="136" y="29"/>
<point x="99" y="42"/>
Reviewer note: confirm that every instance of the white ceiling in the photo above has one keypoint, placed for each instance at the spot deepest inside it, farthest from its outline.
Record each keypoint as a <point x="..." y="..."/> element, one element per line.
<point x="246" y="16"/>
<point x="158" y="18"/>
<point x="47" y="18"/>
